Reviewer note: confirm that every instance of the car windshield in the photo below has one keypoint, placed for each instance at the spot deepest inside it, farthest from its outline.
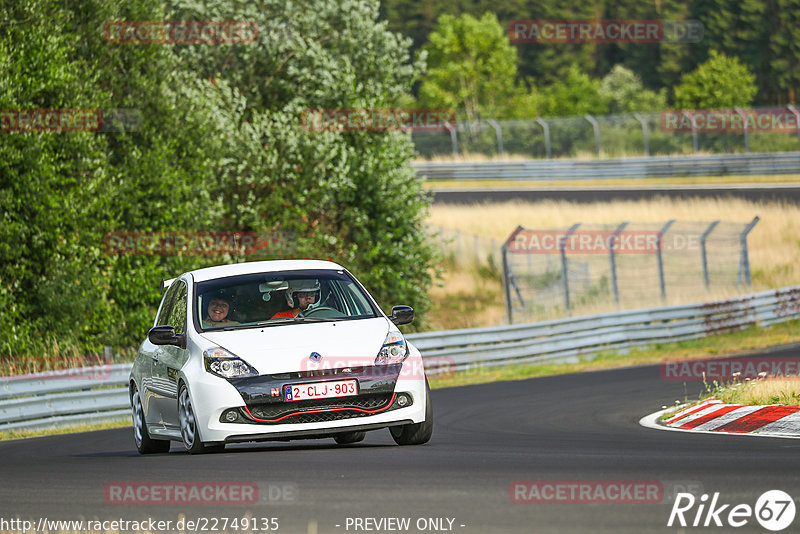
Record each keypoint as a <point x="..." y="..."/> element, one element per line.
<point x="280" y="298"/>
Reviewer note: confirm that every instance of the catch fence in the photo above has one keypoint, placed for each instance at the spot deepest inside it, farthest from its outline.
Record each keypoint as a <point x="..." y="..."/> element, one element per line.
<point x="589" y="267"/>
<point x="618" y="135"/>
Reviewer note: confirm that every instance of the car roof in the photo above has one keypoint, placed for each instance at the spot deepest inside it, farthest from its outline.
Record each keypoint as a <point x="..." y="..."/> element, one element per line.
<point x="234" y="269"/>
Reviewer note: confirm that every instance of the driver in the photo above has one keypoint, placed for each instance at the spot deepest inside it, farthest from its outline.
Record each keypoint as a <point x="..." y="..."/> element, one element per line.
<point x="301" y="296"/>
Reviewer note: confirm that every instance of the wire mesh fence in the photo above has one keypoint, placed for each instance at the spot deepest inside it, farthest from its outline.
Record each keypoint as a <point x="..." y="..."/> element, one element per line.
<point x="589" y="267"/>
<point x="464" y="250"/>
<point x="665" y="133"/>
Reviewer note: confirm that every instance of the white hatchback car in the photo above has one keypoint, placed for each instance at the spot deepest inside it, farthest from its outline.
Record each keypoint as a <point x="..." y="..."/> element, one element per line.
<point x="275" y="350"/>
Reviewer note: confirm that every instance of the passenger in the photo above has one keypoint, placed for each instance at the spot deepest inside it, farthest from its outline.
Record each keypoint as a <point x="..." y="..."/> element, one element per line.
<point x="218" y="308"/>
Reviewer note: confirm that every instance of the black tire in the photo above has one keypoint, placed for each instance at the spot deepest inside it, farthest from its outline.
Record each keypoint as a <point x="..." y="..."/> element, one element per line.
<point x="416" y="433"/>
<point x="346" y="438"/>
<point x="144" y="443"/>
<point x="189" y="431"/>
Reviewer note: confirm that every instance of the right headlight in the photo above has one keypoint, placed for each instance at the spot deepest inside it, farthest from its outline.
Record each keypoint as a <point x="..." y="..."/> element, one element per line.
<point x="394" y="349"/>
<point x="226" y="364"/>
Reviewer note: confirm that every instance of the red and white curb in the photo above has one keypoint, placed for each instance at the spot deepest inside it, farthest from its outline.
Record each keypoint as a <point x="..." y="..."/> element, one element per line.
<point x="715" y="417"/>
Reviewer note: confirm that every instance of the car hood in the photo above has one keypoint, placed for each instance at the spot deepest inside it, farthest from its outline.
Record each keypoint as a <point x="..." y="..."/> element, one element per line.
<point x="287" y="348"/>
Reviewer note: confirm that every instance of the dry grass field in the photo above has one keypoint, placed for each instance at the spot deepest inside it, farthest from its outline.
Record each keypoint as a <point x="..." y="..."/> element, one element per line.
<point x="774" y="243"/>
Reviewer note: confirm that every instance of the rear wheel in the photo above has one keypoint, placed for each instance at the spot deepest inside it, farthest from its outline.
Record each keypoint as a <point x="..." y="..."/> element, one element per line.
<point x="144" y="443"/>
<point x="416" y="433"/>
<point x="350" y="437"/>
<point x="189" y="431"/>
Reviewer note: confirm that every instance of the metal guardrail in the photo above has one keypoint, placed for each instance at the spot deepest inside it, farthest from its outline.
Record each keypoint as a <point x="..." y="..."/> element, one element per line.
<point x="88" y="395"/>
<point x="638" y="167"/>
<point x="64" y="398"/>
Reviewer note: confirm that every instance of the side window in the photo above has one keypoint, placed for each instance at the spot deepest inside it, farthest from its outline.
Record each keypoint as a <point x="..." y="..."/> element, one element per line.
<point x="165" y="303"/>
<point x="177" y="315"/>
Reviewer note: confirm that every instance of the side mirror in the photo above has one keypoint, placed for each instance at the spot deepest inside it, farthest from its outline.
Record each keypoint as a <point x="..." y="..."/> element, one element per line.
<point x="165" y="335"/>
<point x="402" y="315"/>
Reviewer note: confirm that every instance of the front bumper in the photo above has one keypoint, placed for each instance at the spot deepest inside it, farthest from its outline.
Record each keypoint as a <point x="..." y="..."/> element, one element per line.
<point x="255" y="408"/>
<point x="266" y="399"/>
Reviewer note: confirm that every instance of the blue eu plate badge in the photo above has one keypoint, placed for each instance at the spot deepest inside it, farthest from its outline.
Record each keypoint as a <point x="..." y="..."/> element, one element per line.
<point x="288" y="393"/>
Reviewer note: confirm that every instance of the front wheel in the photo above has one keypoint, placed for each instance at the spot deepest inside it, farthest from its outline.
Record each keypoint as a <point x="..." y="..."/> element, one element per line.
<point x="416" y="433"/>
<point x="188" y="421"/>
<point x="144" y="443"/>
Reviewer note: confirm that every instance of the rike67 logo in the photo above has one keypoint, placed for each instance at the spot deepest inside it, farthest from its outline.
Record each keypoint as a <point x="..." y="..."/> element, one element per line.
<point x="774" y="510"/>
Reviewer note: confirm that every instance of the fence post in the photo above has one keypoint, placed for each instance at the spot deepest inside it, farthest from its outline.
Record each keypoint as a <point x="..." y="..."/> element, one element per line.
<point x="694" y="129"/>
<point x="499" y="133"/>
<point x="453" y="137"/>
<point x="641" y="120"/>
<point x="741" y="113"/>
<point x="797" y="122"/>
<point x="477" y="253"/>
<point x="703" y="251"/>
<point x="546" y="130"/>
<point x="744" y="259"/>
<point x="596" y="128"/>
<point x="564" y="270"/>
<point x="506" y="289"/>
<point x="661" y="259"/>
<point x="612" y="256"/>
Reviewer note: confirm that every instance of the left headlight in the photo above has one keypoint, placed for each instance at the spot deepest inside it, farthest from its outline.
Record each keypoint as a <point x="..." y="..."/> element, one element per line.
<point x="394" y="349"/>
<point x="225" y="364"/>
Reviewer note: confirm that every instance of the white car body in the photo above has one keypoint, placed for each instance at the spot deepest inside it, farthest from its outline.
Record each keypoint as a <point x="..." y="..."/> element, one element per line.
<point x="282" y="351"/>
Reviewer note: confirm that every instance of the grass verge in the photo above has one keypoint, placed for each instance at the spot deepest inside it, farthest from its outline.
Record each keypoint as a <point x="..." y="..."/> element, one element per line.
<point x="15" y="434"/>
<point x="767" y="390"/>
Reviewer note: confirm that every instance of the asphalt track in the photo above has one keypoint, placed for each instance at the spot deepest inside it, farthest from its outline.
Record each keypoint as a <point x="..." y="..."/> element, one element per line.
<point x="568" y="428"/>
<point x="585" y="194"/>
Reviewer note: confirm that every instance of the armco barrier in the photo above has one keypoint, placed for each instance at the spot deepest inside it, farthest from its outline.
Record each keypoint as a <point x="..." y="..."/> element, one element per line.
<point x="637" y="167"/>
<point x="45" y="401"/>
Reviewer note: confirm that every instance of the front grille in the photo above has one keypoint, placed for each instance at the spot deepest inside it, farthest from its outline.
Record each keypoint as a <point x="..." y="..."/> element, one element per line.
<point x="341" y="408"/>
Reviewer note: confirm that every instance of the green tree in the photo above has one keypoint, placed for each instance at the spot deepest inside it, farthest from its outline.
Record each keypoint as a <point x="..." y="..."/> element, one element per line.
<point x="472" y="67"/>
<point x="348" y="196"/>
<point x="623" y="90"/>
<point x="578" y="94"/>
<point x="720" y="82"/>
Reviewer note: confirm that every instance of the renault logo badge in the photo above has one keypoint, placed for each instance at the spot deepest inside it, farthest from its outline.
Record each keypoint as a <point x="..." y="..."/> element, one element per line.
<point x="315" y="356"/>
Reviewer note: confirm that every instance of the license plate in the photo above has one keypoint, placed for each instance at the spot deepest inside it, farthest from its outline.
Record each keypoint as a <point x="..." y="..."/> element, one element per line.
<point x="321" y="390"/>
